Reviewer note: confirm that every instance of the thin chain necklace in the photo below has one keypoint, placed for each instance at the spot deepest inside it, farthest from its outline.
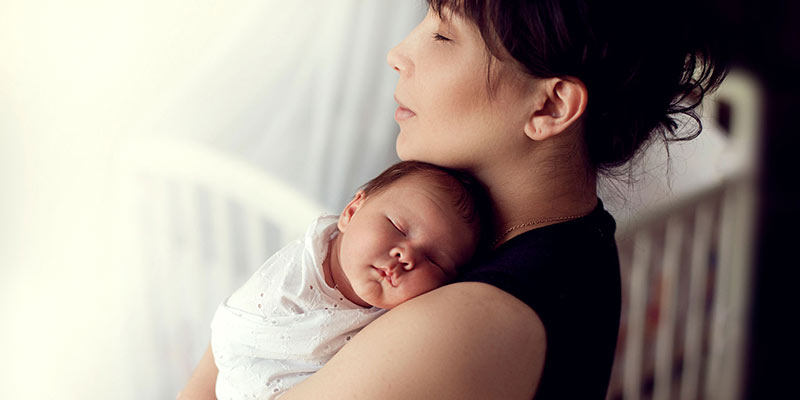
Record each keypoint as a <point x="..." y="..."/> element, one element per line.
<point x="535" y="222"/>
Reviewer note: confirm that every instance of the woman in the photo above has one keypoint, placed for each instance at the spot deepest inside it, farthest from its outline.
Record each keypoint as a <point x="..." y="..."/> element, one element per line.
<point x="535" y="99"/>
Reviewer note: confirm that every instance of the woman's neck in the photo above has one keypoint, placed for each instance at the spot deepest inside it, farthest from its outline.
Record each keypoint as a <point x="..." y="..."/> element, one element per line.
<point x="525" y="191"/>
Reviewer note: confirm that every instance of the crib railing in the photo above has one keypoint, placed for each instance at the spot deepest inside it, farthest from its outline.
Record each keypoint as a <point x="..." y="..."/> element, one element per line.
<point x="194" y="224"/>
<point x="686" y="269"/>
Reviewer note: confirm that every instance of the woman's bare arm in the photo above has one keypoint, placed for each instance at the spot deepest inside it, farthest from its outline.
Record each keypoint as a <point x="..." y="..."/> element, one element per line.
<point x="203" y="380"/>
<point x="462" y="341"/>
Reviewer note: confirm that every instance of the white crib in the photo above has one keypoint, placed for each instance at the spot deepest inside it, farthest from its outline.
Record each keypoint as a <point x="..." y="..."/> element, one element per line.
<point x="686" y="269"/>
<point x="195" y="225"/>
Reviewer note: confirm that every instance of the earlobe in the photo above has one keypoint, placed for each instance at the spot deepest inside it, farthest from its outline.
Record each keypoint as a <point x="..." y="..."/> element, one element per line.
<point x="350" y="210"/>
<point x="561" y="104"/>
<point x="538" y="127"/>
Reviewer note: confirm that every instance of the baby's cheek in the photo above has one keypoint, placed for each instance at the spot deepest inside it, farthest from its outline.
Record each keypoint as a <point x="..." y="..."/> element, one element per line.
<point x="369" y="291"/>
<point x="424" y="285"/>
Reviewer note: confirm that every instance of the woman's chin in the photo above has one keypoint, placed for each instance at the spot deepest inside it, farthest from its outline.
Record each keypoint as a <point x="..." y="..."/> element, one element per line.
<point x="407" y="152"/>
<point x="401" y="148"/>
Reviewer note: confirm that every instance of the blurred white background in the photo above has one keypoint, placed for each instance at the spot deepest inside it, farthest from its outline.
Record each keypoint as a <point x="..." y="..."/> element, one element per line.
<point x="298" y="90"/>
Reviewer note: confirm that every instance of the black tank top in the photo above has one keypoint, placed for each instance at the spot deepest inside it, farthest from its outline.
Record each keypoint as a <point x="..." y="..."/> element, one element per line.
<point x="568" y="273"/>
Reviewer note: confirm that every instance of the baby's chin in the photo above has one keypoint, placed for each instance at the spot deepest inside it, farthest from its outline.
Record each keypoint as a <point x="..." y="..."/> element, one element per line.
<point x="388" y="304"/>
<point x="376" y="297"/>
<point x="371" y="292"/>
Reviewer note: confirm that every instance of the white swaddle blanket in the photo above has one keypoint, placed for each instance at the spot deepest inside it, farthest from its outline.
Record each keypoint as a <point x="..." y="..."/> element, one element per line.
<point x="285" y="323"/>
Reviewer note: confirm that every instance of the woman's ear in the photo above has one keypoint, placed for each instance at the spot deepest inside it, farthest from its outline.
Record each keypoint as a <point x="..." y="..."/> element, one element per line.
<point x="350" y="210"/>
<point x="559" y="104"/>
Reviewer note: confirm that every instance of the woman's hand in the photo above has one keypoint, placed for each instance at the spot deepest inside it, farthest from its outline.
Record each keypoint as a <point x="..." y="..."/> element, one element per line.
<point x="462" y="341"/>
<point x="203" y="380"/>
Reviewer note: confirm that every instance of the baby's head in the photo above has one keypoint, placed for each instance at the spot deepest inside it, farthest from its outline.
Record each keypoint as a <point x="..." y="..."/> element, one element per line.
<point x="407" y="232"/>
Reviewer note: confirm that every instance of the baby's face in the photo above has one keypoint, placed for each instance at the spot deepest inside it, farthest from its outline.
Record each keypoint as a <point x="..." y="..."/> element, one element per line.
<point x="403" y="241"/>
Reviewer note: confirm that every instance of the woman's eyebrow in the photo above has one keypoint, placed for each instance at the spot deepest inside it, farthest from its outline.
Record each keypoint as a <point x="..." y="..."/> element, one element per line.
<point x="446" y="13"/>
<point x="447" y="24"/>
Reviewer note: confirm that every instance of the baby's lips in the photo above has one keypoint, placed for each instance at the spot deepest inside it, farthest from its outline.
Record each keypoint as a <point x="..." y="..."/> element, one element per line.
<point x="387" y="275"/>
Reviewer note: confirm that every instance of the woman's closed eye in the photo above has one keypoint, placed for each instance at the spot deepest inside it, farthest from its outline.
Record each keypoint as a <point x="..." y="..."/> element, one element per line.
<point x="438" y="37"/>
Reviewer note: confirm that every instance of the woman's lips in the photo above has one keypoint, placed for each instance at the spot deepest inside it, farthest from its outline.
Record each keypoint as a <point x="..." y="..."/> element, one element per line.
<point x="402" y="114"/>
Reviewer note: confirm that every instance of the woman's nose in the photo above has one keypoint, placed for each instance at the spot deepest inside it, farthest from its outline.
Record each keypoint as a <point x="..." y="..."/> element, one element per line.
<point x="404" y="256"/>
<point x="398" y="58"/>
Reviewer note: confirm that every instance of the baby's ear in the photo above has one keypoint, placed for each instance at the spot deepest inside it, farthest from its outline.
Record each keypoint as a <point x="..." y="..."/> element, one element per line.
<point x="350" y="210"/>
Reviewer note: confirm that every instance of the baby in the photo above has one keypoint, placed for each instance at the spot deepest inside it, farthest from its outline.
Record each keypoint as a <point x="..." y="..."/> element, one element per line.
<point x="405" y="233"/>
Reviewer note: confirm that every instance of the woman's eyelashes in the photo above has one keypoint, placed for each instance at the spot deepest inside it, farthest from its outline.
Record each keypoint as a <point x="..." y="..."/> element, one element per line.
<point x="438" y="37"/>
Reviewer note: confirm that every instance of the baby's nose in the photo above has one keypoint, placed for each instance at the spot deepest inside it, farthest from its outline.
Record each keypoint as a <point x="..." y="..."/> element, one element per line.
<point x="403" y="257"/>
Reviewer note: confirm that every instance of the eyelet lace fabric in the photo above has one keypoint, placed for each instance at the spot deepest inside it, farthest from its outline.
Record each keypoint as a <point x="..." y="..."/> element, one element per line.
<point x="285" y="323"/>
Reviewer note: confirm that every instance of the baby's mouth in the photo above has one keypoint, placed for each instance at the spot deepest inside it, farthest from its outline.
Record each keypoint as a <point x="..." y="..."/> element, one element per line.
<point x="387" y="276"/>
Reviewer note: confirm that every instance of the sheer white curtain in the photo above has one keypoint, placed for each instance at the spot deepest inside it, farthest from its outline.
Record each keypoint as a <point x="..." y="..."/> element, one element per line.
<point x="301" y="89"/>
<point x="298" y="89"/>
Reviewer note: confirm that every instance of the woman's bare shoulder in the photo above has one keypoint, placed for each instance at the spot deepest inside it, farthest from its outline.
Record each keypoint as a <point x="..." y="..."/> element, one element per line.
<point x="462" y="341"/>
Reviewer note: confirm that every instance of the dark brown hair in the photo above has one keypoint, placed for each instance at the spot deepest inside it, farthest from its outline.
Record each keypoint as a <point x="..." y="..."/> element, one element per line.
<point x="469" y="196"/>
<point x="646" y="65"/>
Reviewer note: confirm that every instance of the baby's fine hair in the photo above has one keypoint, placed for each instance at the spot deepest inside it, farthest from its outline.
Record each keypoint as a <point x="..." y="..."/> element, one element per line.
<point x="469" y="196"/>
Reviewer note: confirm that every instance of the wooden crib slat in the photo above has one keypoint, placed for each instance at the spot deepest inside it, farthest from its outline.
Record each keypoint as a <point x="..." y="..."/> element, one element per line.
<point x="189" y="278"/>
<point x="220" y="281"/>
<point x="720" y="308"/>
<point x="161" y="293"/>
<point x="701" y="244"/>
<point x="187" y="250"/>
<point x="254" y="234"/>
<point x="667" y="314"/>
<point x="636" y="316"/>
<point x="732" y="293"/>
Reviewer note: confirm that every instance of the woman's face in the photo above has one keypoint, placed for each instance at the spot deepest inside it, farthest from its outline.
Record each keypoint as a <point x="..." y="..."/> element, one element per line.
<point x="446" y="116"/>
